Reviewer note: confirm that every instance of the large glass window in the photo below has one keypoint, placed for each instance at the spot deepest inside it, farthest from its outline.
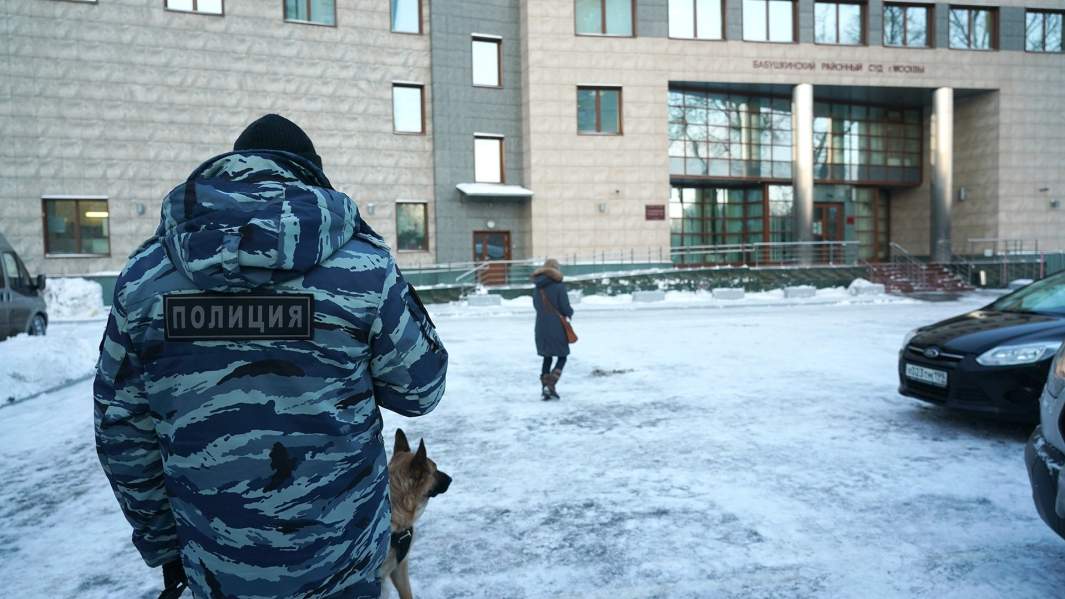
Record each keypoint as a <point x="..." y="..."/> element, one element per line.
<point x="839" y="23"/>
<point x="486" y="65"/>
<point x="408" y="112"/>
<point x="73" y="226"/>
<point x="738" y="136"/>
<point x="768" y="20"/>
<point x="867" y="143"/>
<point x="604" y="17"/>
<point x="407" y="16"/>
<point x="729" y="135"/>
<point x="696" y="19"/>
<point x="715" y="216"/>
<point x="321" y="12"/>
<point x="412" y="226"/>
<point x="599" y="110"/>
<point x="1042" y="31"/>
<point x="488" y="159"/>
<point x="972" y="28"/>
<point x="209" y="7"/>
<point x="906" y="25"/>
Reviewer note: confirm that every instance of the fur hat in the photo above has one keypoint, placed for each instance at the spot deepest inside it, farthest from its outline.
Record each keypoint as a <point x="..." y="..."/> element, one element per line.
<point x="551" y="269"/>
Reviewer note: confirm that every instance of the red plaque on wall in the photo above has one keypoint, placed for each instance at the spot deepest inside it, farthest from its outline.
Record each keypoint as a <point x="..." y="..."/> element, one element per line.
<point x="654" y="212"/>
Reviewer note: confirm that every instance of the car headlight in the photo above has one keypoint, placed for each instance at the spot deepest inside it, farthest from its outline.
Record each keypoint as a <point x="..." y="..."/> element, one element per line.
<point x="909" y="337"/>
<point x="1014" y="355"/>
<point x="1056" y="380"/>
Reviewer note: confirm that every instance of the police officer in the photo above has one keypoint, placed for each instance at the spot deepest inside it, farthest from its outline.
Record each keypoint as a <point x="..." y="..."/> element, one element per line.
<point x="250" y="345"/>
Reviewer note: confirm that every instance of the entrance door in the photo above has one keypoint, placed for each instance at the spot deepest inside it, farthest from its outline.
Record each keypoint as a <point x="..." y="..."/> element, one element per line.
<point x="828" y="226"/>
<point x="492" y="247"/>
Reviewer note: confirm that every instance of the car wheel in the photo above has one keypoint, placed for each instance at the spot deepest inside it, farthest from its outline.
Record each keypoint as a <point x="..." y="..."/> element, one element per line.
<point x="38" y="325"/>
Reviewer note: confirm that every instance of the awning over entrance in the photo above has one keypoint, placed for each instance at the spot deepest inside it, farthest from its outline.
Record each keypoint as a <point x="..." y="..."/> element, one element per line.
<point x="492" y="191"/>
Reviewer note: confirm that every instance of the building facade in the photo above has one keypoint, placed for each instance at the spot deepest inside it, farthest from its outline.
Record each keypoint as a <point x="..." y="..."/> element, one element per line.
<point x="514" y="129"/>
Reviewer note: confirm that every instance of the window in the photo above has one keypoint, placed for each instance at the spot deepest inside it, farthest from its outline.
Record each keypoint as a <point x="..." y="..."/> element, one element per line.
<point x="906" y="25"/>
<point x="857" y="142"/>
<point x="407" y="16"/>
<point x="599" y="110"/>
<point x="487" y="69"/>
<point x="76" y="226"/>
<point x="604" y="17"/>
<point x="488" y="159"/>
<point x="412" y="226"/>
<point x="696" y="19"/>
<point x="319" y="12"/>
<point x="408" y="112"/>
<point x="724" y="135"/>
<point x="768" y="20"/>
<point x="17" y="276"/>
<point x="208" y="7"/>
<point x="1042" y="31"/>
<point x="841" y="23"/>
<point x="972" y="28"/>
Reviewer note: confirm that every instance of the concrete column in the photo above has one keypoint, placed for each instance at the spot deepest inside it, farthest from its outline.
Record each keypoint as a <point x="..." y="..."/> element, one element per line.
<point x="942" y="172"/>
<point x="802" y="169"/>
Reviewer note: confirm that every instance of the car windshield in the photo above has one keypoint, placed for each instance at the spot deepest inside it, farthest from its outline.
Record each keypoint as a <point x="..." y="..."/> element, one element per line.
<point x="1047" y="295"/>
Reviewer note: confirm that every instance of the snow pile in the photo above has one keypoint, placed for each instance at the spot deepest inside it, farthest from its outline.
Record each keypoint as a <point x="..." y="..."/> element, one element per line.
<point x="680" y="299"/>
<point x="74" y="299"/>
<point x="30" y="365"/>
<point x="864" y="287"/>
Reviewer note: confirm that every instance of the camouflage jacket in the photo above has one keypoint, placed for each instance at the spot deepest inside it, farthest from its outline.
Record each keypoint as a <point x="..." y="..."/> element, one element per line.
<point x="253" y="452"/>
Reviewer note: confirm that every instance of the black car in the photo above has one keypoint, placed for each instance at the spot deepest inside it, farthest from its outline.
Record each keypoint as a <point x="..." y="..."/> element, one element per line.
<point x="993" y="360"/>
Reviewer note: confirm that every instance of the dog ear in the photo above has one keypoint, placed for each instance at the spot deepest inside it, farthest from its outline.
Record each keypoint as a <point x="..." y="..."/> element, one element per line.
<point x="420" y="463"/>
<point x="401" y="442"/>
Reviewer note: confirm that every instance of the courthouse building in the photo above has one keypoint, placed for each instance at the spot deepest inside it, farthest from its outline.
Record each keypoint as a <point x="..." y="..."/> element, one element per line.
<point x="495" y="129"/>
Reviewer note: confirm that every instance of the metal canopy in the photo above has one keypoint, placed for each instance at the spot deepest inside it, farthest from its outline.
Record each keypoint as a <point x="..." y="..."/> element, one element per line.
<point x="494" y="191"/>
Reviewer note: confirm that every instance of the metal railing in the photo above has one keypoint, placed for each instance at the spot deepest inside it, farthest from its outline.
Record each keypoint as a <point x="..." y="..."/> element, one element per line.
<point x="909" y="266"/>
<point x="494" y="273"/>
<point x="764" y="254"/>
<point x="995" y="246"/>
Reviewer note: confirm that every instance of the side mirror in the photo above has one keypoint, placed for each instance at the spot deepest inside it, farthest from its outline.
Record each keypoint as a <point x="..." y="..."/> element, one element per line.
<point x="40" y="282"/>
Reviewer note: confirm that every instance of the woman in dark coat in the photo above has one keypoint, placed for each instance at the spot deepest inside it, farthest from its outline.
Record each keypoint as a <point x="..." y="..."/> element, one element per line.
<point x="551" y="342"/>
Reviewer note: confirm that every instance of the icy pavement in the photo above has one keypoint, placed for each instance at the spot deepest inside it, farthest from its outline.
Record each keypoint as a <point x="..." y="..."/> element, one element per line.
<point x="756" y="452"/>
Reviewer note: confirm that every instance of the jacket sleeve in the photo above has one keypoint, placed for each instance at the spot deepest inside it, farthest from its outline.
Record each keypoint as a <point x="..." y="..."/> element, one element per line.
<point x="128" y="447"/>
<point x="563" y="302"/>
<point x="408" y="361"/>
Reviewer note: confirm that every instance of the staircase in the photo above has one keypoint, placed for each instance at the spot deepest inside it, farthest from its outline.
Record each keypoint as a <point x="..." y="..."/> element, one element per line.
<point x="906" y="274"/>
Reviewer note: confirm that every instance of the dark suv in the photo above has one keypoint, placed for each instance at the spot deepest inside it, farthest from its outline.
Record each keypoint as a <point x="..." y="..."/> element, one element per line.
<point x="22" y="309"/>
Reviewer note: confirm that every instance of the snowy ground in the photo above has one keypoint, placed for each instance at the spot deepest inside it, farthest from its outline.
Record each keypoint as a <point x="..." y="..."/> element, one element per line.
<point x="753" y="452"/>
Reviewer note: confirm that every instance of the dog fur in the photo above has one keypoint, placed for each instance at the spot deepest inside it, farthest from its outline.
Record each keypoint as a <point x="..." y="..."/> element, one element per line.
<point x="412" y="479"/>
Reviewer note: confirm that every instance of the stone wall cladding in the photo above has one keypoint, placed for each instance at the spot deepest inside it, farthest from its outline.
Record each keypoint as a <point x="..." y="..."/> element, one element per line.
<point x="123" y="98"/>
<point x="460" y="110"/>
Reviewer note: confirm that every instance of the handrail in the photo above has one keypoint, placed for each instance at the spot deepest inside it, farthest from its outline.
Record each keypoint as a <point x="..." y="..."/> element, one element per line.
<point x="913" y="268"/>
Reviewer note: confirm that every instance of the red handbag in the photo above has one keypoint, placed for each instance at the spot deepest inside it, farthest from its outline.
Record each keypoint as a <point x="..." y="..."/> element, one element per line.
<point x="571" y="335"/>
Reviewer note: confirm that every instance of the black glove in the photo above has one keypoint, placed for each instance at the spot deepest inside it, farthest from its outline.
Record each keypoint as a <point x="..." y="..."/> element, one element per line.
<point x="174" y="580"/>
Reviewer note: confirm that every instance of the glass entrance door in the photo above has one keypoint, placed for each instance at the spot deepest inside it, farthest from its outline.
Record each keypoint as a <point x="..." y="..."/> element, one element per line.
<point x="828" y="226"/>
<point x="492" y="247"/>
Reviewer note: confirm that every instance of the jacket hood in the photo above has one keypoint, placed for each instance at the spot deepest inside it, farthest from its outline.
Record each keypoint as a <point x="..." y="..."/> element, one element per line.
<point x="544" y="276"/>
<point x="243" y="220"/>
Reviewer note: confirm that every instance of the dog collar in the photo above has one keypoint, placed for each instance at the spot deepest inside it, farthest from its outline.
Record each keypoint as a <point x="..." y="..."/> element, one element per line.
<point x="401" y="543"/>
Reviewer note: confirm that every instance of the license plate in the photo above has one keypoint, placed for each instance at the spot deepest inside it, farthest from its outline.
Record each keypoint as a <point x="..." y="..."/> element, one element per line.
<point x="926" y="375"/>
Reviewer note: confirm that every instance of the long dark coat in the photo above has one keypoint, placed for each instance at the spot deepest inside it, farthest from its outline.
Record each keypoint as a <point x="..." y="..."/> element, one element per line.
<point x="550" y="336"/>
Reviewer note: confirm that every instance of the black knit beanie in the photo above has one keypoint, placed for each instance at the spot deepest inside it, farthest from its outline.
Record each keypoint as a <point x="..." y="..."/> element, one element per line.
<point x="275" y="132"/>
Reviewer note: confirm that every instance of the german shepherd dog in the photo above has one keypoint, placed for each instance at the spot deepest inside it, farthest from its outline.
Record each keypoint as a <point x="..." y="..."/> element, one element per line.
<point x="412" y="479"/>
